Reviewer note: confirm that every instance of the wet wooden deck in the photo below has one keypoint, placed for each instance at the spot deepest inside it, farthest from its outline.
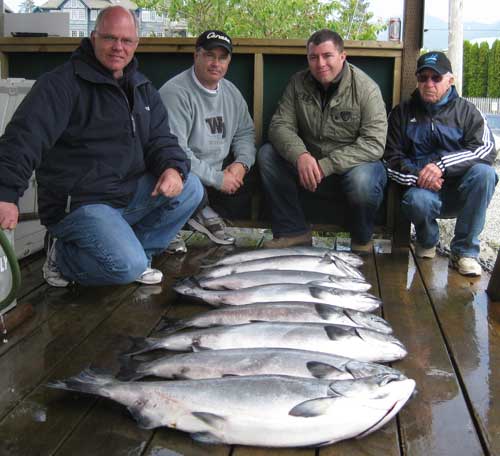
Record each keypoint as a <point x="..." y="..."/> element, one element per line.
<point x="451" y="330"/>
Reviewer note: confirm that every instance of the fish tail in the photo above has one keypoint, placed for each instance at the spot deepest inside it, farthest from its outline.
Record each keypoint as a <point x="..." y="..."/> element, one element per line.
<point x="89" y="381"/>
<point x="130" y="369"/>
<point x="142" y="345"/>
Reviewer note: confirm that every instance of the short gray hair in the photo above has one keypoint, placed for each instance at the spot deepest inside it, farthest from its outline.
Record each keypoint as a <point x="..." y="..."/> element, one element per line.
<point x="105" y="11"/>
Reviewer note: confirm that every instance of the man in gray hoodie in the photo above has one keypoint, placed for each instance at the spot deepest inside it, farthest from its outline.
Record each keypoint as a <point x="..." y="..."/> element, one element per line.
<point x="210" y="117"/>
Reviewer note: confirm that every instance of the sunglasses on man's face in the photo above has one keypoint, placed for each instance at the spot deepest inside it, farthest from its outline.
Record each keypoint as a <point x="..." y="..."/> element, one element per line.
<point x="425" y="77"/>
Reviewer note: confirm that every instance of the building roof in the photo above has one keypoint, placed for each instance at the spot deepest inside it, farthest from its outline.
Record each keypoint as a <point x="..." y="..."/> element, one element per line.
<point x="91" y="4"/>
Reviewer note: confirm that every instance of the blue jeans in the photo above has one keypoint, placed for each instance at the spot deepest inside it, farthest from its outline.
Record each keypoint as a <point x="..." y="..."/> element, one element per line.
<point x="467" y="197"/>
<point x="101" y="245"/>
<point x="362" y="186"/>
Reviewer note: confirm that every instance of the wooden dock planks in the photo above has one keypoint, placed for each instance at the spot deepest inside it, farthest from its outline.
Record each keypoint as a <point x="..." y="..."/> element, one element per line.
<point x="447" y="322"/>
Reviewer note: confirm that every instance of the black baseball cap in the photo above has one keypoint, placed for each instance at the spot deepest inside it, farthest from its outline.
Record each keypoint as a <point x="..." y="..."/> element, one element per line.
<point x="214" y="38"/>
<point x="436" y="61"/>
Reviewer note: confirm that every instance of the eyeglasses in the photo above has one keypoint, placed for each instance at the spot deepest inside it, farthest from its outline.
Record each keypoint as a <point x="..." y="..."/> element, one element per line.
<point x="212" y="57"/>
<point x="111" y="39"/>
<point x="425" y="77"/>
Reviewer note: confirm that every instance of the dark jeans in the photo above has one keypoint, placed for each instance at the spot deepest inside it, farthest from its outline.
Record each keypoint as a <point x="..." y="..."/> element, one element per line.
<point x="467" y="197"/>
<point x="362" y="187"/>
<point x="237" y="206"/>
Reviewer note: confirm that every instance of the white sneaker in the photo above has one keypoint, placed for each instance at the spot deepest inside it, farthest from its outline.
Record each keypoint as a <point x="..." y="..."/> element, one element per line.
<point x="422" y="252"/>
<point x="465" y="265"/>
<point x="208" y="222"/>
<point x="50" y="271"/>
<point x="177" y="245"/>
<point x="150" y="277"/>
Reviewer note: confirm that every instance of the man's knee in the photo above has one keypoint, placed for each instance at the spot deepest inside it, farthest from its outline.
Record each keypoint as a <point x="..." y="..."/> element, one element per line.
<point x="419" y="203"/>
<point x="366" y="183"/>
<point x="481" y="176"/>
<point x="193" y="190"/>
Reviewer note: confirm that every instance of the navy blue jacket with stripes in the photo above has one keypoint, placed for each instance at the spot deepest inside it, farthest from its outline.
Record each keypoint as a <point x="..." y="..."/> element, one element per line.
<point x="454" y="137"/>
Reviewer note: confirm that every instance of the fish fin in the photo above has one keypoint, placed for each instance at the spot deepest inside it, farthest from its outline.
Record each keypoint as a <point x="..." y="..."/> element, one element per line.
<point x="140" y="345"/>
<point x="337" y="332"/>
<point x="321" y="370"/>
<point x="212" y="419"/>
<point x="197" y="347"/>
<point x="142" y="420"/>
<point x="327" y="258"/>
<point x="170" y="325"/>
<point x="206" y="437"/>
<point x="88" y="381"/>
<point x="128" y="369"/>
<point x="312" y="408"/>
<point x="324" y="311"/>
<point x="319" y="292"/>
<point x="258" y="321"/>
<point x="230" y="375"/>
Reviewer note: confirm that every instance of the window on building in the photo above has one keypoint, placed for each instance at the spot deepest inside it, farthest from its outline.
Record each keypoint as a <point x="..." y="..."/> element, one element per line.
<point x="81" y="15"/>
<point x="74" y="32"/>
<point x="93" y="14"/>
<point x="146" y="16"/>
<point x="81" y="33"/>
<point x="159" y="17"/>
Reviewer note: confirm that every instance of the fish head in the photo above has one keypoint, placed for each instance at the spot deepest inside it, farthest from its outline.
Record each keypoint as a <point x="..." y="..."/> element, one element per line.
<point x="187" y="287"/>
<point x="390" y="348"/>
<point x="368" y="320"/>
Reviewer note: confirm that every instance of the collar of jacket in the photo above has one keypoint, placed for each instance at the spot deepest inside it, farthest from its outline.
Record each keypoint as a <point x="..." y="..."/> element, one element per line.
<point x="415" y="96"/>
<point x="345" y="76"/>
<point x="89" y="68"/>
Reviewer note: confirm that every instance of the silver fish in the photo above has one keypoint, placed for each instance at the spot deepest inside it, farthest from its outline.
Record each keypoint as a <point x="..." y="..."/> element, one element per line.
<point x="270" y="276"/>
<point x="257" y="254"/>
<point x="298" y="312"/>
<point x="251" y="361"/>
<point x="265" y="410"/>
<point x="357" y="343"/>
<point x="364" y="302"/>
<point x="325" y="264"/>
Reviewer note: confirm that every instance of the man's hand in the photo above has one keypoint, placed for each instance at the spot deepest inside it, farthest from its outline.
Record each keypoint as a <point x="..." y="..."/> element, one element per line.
<point x="231" y="182"/>
<point x="237" y="169"/>
<point x="430" y="177"/>
<point x="169" y="184"/>
<point x="310" y="174"/>
<point x="9" y="215"/>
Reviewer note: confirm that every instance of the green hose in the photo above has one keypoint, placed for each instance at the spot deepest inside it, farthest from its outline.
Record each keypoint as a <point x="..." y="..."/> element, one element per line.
<point x="14" y="268"/>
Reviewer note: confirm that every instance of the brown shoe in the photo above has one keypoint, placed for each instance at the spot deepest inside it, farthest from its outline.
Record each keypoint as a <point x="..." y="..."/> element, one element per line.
<point x="289" y="241"/>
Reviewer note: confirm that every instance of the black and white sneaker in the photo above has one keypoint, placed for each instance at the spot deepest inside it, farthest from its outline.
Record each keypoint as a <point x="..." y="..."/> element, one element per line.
<point x="50" y="271"/>
<point x="208" y="222"/>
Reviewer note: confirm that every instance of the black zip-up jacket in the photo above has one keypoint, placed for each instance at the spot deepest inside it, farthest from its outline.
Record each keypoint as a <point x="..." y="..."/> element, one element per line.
<point x="454" y="136"/>
<point x="88" y="139"/>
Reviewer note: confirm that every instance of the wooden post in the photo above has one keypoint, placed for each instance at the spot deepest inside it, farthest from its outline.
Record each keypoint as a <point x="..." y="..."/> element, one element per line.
<point x="456" y="41"/>
<point x="494" y="284"/>
<point x="412" y="37"/>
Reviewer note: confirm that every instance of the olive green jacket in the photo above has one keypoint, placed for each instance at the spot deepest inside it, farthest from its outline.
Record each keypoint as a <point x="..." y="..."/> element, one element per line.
<point x="351" y="130"/>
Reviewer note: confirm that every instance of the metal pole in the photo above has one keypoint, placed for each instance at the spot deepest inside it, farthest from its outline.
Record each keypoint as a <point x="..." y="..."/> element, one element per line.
<point x="456" y="41"/>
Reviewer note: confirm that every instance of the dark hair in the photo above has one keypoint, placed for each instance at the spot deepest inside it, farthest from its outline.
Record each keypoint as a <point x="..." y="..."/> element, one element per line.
<point x="326" y="35"/>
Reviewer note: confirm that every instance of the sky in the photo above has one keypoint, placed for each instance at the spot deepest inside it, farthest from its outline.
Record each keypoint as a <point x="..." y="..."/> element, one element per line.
<point x="485" y="11"/>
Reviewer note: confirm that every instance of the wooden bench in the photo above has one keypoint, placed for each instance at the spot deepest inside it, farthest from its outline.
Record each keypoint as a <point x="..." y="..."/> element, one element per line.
<point x="260" y="69"/>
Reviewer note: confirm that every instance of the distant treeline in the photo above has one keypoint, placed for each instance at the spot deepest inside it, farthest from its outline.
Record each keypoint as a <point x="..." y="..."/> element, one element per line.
<point x="481" y="76"/>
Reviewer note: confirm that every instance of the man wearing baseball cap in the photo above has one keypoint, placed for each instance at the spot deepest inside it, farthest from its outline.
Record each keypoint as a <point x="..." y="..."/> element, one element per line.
<point x="440" y="147"/>
<point x="210" y="118"/>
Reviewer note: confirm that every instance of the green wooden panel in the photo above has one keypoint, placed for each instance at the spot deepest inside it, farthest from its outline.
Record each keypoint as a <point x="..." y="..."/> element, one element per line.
<point x="30" y="65"/>
<point x="279" y="68"/>
<point x="158" y="67"/>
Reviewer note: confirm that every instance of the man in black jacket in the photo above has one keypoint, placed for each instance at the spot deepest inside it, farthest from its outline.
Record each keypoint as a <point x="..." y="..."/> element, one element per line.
<point x="114" y="185"/>
<point x="440" y="147"/>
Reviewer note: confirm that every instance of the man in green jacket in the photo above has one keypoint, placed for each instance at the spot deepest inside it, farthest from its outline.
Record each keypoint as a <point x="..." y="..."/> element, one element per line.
<point x="327" y="133"/>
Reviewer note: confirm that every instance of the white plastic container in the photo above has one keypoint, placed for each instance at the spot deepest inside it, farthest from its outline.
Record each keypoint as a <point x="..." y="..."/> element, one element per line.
<point x="29" y="235"/>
